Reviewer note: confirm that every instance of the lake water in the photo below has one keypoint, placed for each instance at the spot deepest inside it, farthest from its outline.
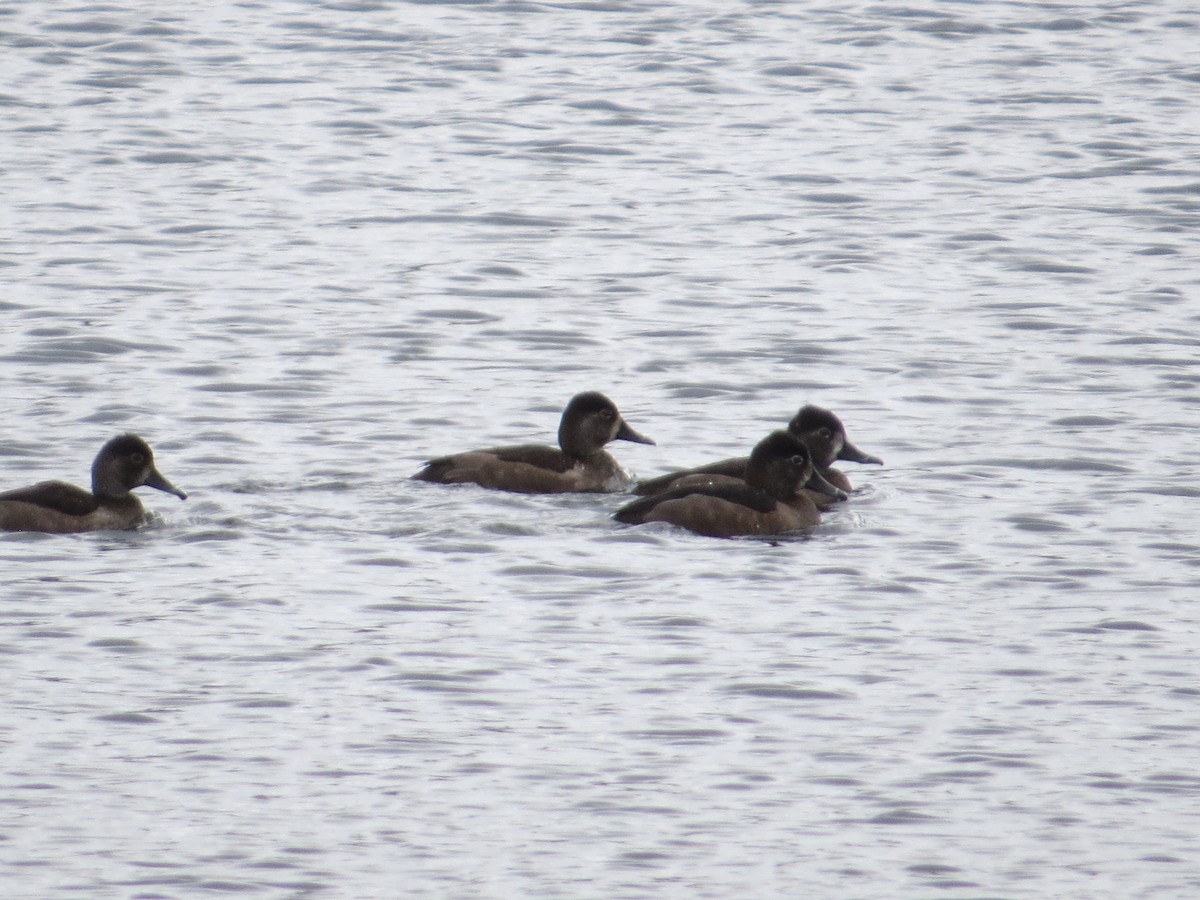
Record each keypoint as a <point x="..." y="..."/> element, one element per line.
<point x="303" y="247"/>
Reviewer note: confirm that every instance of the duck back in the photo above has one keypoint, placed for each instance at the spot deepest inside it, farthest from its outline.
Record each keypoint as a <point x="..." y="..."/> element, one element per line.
<point x="57" y="508"/>
<point x="54" y="495"/>
<point x="730" y="468"/>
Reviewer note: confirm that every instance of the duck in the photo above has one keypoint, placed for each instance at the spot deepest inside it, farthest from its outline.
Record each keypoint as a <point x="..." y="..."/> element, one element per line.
<point x="821" y="430"/>
<point x="578" y="465"/>
<point x="55" y="507"/>
<point x="769" y="500"/>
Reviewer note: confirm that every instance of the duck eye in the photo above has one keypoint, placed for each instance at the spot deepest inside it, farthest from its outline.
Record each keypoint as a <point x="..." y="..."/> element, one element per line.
<point x="137" y="458"/>
<point x="824" y="432"/>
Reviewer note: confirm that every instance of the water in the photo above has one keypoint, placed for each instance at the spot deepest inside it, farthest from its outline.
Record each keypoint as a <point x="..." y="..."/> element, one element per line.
<point x="303" y="247"/>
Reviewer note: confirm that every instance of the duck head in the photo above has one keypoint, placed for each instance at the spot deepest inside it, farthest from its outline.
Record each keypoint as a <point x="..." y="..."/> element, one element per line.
<point x="125" y="463"/>
<point x="589" y="422"/>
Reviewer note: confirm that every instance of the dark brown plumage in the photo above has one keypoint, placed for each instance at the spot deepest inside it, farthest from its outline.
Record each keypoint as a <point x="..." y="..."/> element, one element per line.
<point x="578" y="464"/>
<point x="124" y="463"/>
<point x="822" y="432"/>
<point x="768" y="501"/>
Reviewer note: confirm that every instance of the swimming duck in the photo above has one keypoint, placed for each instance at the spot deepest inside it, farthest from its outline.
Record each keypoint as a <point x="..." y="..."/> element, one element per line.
<point x="124" y="463"/>
<point x="768" y="501"/>
<point x="821" y="431"/>
<point x="589" y="422"/>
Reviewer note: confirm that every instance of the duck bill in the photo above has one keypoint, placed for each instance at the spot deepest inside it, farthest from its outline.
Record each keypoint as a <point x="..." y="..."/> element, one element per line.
<point x="850" y="453"/>
<point x="156" y="481"/>
<point x="818" y="483"/>
<point x="625" y="433"/>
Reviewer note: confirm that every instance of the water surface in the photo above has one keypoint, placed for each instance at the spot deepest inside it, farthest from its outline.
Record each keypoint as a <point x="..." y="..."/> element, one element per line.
<point x="302" y="247"/>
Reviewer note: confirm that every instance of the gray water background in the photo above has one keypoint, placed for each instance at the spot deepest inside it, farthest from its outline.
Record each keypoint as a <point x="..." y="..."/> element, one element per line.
<point x="302" y="247"/>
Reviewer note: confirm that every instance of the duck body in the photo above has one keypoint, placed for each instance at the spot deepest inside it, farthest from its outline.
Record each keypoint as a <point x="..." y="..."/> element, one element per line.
<point x="721" y="510"/>
<point x="822" y="432"/>
<point x="55" y="507"/>
<point x="528" y="469"/>
<point x="578" y="465"/>
<point x="769" y="500"/>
